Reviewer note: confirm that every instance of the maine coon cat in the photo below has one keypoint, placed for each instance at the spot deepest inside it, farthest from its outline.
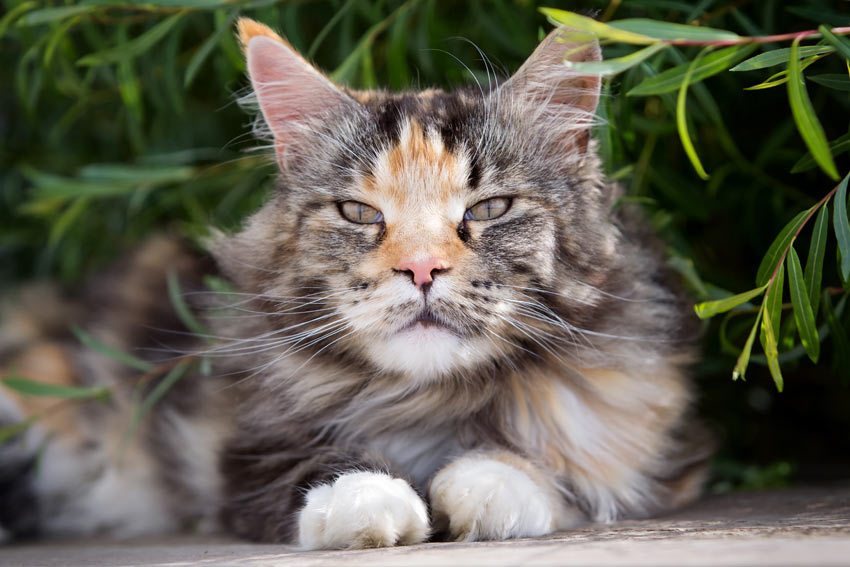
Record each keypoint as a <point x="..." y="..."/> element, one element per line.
<point x="445" y="325"/>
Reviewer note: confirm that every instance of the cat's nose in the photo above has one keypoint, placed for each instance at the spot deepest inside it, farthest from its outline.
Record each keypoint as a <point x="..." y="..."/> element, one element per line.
<point x="422" y="271"/>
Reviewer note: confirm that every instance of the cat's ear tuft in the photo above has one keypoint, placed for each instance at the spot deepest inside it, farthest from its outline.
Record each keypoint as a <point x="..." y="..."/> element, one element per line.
<point x="292" y="94"/>
<point x="562" y="98"/>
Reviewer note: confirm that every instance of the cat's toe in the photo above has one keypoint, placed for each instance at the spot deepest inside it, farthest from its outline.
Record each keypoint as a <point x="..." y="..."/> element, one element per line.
<point x="362" y="509"/>
<point x="485" y="499"/>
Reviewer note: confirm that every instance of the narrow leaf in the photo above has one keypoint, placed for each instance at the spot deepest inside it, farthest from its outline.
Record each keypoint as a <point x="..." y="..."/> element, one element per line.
<point x="617" y="65"/>
<point x="841" y="45"/>
<point x="710" y="65"/>
<point x="804" y="115"/>
<point x="682" y="119"/>
<point x="45" y="390"/>
<point x="803" y="315"/>
<point x="708" y="309"/>
<point x="779" y="57"/>
<point x="591" y="26"/>
<point x="743" y="361"/>
<point x="773" y="299"/>
<point x="778" y="247"/>
<point x="836" y="146"/>
<point x="181" y="308"/>
<point x="814" y="261"/>
<point x="11" y="431"/>
<point x="835" y="81"/>
<point x="156" y="394"/>
<point x="771" y="351"/>
<point x="111" y="352"/>
<point x="134" y="47"/>
<point x="781" y="77"/>
<point x="842" y="227"/>
<point x="670" y="31"/>
<point x="52" y="14"/>
<point x="204" y="51"/>
<point x="14" y="14"/>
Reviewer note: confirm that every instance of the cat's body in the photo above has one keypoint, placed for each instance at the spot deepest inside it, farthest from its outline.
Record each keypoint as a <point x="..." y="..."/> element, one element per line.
<point x="441" y="302"/>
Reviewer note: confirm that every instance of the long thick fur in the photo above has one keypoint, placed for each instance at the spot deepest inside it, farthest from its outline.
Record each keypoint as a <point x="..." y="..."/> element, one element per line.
<point x="540" y="380"/>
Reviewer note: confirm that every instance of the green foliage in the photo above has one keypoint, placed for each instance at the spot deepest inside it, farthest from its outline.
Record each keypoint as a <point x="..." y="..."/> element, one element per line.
<point x="32" y="388"/>
<point x="119" y="121"/>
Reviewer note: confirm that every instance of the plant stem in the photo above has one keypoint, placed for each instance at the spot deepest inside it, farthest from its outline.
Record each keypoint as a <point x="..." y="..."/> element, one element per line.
<point x="758" y="39"/>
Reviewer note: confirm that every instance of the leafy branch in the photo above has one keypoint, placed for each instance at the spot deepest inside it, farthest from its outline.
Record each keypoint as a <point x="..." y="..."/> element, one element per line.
<point x="781" y="258"/>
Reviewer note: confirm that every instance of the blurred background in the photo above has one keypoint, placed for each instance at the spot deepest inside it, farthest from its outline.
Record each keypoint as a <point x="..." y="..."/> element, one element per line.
<point x="120" y="120"/>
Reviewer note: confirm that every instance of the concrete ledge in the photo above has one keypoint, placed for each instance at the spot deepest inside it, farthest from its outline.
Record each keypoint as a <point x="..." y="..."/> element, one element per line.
<point x="802" y="526"/>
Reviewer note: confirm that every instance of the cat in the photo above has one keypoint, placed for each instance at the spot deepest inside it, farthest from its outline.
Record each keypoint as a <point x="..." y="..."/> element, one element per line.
<point x="444" y="325"/>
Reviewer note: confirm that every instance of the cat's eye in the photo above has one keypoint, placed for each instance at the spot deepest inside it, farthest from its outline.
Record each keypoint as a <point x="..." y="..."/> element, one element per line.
<point x="360" y="213"/>
<point x="488" y="209"/>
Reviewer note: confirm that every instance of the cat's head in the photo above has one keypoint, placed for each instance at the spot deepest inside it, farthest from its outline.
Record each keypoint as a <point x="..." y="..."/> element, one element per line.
<point x="428" y="232"/>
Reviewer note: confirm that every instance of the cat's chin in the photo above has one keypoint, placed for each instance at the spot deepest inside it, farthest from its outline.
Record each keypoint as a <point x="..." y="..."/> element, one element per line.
<point x="425" y="351"/>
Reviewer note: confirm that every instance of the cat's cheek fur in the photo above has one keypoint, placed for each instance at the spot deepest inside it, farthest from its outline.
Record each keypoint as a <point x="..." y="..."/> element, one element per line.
<point x="360" y="510"/>
<point x="497" y="496"/>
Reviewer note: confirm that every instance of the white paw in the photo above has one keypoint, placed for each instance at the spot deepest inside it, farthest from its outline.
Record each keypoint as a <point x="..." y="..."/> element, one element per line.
<point x="362" y="509"/>
<point x="480" y="499"/>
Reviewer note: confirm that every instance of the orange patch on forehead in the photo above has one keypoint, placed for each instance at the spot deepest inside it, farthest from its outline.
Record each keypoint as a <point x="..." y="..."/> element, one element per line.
<point x="416" y="184"/>
<point x="419" y="164"/>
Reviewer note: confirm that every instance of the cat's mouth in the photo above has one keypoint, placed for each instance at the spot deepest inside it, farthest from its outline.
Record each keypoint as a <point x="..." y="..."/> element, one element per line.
<point x="428" y="320"/>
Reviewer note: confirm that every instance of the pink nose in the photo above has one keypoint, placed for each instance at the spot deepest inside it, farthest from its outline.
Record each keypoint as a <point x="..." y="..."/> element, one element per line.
<point x="422" y="271"/>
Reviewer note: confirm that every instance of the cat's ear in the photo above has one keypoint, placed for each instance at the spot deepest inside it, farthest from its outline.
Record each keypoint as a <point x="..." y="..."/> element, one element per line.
<point x="562" y="99"/>
<point x="292" y="94"/>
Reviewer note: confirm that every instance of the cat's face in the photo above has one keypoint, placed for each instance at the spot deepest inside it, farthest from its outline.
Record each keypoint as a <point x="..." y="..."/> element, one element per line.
<point x="417" y="231"/>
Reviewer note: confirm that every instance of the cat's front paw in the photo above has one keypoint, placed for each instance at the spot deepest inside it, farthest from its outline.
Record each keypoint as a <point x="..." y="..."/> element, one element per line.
<point x="362" y="509"/>
<point x="480" y="498"/>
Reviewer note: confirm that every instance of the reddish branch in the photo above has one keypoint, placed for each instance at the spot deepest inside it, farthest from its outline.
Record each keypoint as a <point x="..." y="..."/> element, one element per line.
<point x="757" y="39"/>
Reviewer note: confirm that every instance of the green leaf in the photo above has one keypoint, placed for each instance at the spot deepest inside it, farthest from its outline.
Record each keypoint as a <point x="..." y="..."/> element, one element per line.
<point x="183" y="312"/>
<point x="682" y="119"/>
<point x="803" y="315"/>
<point x="836" y="81"/>
<point x="14" y="14"/>
<point x="708" y="309"/>
<point x="669" y="31"/>
<point x="134" y="47"/>
<point x="744" y="358"/>
<point x="616" y="65"/>
<point x="156" y="394"/>
<point x="779" y="57"/>
<point x="136" y="174"/>
<point x="778" y="247"/>
<point x="781" y="77"/>
<point x="104" y="180"/>
<point x="44" y="390"/>
<point x="710" y="65"/>
<point x="804" y="115"/>
<point x="841" y="45"/>
<point x="204" y="51"/>
<point x="842" y="227"/>
<point x="10" y="431"/>
<point x="46" y="15"/>
<point x="66" y="220"/>
<point x="56" y="37"/>
<point x="111" y="352"/>
<point x="836" y="146"/>
<point x="773" y="299"/>
<point x="770" y="350"/>
<point x="592" y="27"/>
<point x="814" y="261"/>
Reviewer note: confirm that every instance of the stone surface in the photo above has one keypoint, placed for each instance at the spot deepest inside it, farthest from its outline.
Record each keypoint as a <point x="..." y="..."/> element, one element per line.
<point x="802" y="526"/>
